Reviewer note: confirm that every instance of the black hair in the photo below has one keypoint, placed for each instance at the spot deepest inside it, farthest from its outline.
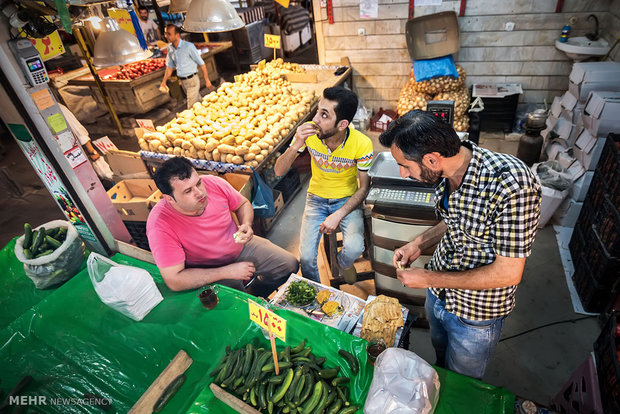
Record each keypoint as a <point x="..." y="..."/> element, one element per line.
<point x="346" y="102"/>
<point x="177" y="167"/>
<point x="418" y="133"/>
<point x="142" y="8"/>
<point x="176" y="28"/>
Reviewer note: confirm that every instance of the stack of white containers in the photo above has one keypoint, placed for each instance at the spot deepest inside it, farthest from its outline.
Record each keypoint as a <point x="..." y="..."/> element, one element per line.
<point x="581" y="119"/>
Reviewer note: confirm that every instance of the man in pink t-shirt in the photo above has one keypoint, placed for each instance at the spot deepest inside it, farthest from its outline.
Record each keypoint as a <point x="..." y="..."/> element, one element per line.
<point x="195" y="241"/>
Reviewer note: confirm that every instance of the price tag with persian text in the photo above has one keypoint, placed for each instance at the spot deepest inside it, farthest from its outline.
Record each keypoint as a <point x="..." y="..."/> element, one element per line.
<point x="272" y="41"/>
<point x="267" y="320"/>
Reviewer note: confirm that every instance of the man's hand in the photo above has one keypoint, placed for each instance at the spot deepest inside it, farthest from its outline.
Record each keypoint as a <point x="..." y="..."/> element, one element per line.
<point x="208" y="83"/>
<point x="94" y="156"/>
<point x="330" y="224"/>
<point x="405" y="255"/>
<point x="304" y="131"/>
<point x="244" y="234"/>
<point x="413" y="277"/>
<point x="241" y="271"/>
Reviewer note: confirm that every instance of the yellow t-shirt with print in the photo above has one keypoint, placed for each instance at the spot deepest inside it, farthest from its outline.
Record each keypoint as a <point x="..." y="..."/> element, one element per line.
<point x="334" y="173"/>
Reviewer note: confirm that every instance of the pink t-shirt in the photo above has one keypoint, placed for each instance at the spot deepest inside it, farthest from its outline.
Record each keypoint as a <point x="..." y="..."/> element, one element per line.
<point x="205" y="240"/>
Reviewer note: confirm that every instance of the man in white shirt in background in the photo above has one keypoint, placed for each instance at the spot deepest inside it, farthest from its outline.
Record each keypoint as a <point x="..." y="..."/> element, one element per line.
<point x="148" y="26"/>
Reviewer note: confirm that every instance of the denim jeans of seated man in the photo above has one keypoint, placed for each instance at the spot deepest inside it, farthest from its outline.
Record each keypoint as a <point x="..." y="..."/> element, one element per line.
<point x="461" y="345"/>
<point x="316" y="211"/>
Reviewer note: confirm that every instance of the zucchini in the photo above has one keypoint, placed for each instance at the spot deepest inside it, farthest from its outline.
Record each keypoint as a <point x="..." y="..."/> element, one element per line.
<point x="299" y="387"/>
<point x="279" y="394"/>
<point x="221" y="376"/>
<point x="290" y="393"/>
<point x="52" y="242"/>
<point x="262" y="396"/>
<point x="322" y="401"/>
<point x="277" y="379"/>
<point x="27" y="235"/>
<point x="351" y="360"/>
<point x="249" y="356"/>
<point x="270" y="407"/>
<point x="253" y="399"/>
<point x="314" y="399"/>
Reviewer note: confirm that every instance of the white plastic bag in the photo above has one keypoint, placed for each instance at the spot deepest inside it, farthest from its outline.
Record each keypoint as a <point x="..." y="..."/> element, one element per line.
<point x="56" y="268"/>
<point x="402" y="383"/>
<point x="102" y="168"/>
<point x="127" y="289"/>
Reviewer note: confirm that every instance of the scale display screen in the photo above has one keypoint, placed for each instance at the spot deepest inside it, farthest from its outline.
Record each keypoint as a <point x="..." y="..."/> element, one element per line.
<point x="34" y="64"/>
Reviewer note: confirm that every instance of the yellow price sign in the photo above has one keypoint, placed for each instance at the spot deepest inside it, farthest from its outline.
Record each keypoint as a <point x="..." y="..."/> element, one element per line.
<point x="272" y="41"/>
<point x="268" y="320"/>
<point x="123" y="18"/>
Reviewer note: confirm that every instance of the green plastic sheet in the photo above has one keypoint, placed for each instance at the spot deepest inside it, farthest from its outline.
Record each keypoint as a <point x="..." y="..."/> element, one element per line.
<point x="73" y="344"/>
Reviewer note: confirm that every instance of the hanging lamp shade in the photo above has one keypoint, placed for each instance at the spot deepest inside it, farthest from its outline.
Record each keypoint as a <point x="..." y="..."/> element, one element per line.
<point x="178" y="6"/>
<point x="207" y="16"/>
<point x="116" y="46"/>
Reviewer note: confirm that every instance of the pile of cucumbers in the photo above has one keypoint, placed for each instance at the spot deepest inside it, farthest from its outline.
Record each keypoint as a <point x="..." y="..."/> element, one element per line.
<point x="41" y="242"/>
<point x="304" y="385"/>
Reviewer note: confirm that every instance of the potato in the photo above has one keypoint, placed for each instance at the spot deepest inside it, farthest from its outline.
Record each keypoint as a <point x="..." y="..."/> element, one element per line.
<point x="177" y="151"/>
<point x="178" y="142"/>
<point x="186" y="145"/>
<point x="229" y="158"/>
<point x="216" y="155"/>
<point x="143" y="144"/>
<point x="198" y="143"/>
<point x="228" y="140"/>
<point x="241" y="150"/>
<point x="249" y="156"/>
<point x="264" y="152"/>
<point x="161" y="149"/>
<point x="255" y="149"/>
<point x="237" y="159"/>
<point x="226" y="149"/>
<point x="259" y="158"/>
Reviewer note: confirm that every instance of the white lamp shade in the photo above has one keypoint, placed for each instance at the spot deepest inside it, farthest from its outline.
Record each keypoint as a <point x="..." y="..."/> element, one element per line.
<point x="207" y="16"/>
<point x="117" y="46"/>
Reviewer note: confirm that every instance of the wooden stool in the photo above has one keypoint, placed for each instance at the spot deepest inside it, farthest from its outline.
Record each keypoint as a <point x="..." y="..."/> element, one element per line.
<point x="331" y="244"/>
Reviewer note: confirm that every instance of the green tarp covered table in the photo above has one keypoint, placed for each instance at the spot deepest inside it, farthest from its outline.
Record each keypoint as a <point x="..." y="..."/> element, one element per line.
<point x="72" y="344"/>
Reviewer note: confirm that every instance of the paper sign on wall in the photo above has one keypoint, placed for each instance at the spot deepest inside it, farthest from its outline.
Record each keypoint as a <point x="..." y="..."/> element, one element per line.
<point x="42" y="99"/>
<point x="49" y="46"/>
<point x="57" y="122"/>
<point x="104" y="144"/>
<point x="66" y="141"/>
<point x="272" y="41"/>
<point x="76" y="157"/>
<point x="262" y="317"/>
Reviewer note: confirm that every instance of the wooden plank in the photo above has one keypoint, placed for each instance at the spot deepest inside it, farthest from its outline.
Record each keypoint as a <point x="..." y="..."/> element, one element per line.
<point x="232" y="401"/>
<point x="515" y="38"/>
<point x="387" y="81"/>
<point x="176" y="367"/>
<point x="370" y="56"/>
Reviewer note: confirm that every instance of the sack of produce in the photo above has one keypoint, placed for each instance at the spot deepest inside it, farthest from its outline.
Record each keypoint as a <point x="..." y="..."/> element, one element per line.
<point x="127" y="289"/>
<point x="461" y="123"/>
<point x="410" y="99"/>
<point x="52" y="253"/>
<point x="460" y="98"/>
<point x="402" y="383"/>
<point x="441" y="83"/>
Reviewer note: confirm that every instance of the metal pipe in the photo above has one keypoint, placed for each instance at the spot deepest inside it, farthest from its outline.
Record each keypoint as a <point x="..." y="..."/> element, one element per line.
<point x="80" y="41"/>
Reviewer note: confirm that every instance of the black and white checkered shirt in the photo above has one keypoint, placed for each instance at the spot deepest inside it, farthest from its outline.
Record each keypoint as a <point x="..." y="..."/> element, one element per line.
<point x="495" y="211"/>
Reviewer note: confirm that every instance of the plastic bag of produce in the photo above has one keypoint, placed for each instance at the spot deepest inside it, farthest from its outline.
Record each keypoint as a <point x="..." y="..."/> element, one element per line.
<point x="127" y="289"/>
<point x="262" y="198"/>
<point x="57" y="261"/>
<point x="402" y="383"/>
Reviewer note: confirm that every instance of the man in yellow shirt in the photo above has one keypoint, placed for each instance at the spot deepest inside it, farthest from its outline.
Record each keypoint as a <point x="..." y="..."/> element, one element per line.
<point x="341" y="156"/>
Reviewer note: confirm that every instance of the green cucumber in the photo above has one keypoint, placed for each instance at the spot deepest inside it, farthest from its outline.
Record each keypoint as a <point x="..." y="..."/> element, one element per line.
<point x="329" y="373"/>
<point x="168" y="393"/>
<point x="52" y="242"/>
<point x="291" y="390"/>
<point x="340" y="380"/>
<point x="299" y="347"/>
<point x="27" y="235"/>
<point x="322" y="401"/>
<point x="351" y="360"/>
<point x="314" y="399"/>
<point x="349" y="410"/>
<point x="249" y="356"/>
<point x="272" y="366"/>
<point x="37" y="239"/>
<point x="270" y="407"/>
<point x="343" y="397"/>
<point x="279" y="394"/>
<point x="45" y="253"/>
<point x="335" y="407"/>
<point x="28" y="254"/>
<point x="262" y="396"/>
<point x="253" y="397"/>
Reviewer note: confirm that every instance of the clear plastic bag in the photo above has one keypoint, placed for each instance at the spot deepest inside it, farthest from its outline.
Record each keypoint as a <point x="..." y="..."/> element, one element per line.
<point x="56" y="268"/>
<point x="402" y="383"/>
<point x="127" y="289"/>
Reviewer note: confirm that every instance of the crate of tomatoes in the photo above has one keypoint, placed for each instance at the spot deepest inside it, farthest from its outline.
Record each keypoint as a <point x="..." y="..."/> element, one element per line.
<point x="136" y="69"/>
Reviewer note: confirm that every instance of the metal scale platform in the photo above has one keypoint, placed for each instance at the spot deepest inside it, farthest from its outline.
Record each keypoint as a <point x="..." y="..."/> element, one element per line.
<point x="401" y="210"/>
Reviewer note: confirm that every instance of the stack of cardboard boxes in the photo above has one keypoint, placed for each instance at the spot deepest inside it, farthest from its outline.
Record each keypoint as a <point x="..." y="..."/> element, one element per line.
<point x="577" y="126"/>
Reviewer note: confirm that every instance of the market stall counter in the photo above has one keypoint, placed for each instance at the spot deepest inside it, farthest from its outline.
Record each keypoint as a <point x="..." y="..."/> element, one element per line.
<point x="75" y="347"/>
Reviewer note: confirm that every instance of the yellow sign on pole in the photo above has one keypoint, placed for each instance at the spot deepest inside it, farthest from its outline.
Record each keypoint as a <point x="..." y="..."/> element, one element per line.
<point x="123" y="18"/>
<point x="272" y="41"/>
<point x="49" y="46"/>
<point x="268" y="320"/>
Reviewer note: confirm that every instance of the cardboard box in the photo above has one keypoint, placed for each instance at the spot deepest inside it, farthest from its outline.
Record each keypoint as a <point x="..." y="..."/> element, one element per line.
<point x="433" y="35"/>
<point x="567" y="213"/>
<point x="556" y="107"/>
<point x="601" y="114"/>
<point x="241" y="182"/>
<point x="126" y="165"/>
<point x="574" y="115"/>
<point x="568" y="101"/>
<point x="588" y="149"/>
<point x="551" y="200"/>
<point x="592" y="76"/>
<point x="579" y="190"/>
<point x="132" y="198"/>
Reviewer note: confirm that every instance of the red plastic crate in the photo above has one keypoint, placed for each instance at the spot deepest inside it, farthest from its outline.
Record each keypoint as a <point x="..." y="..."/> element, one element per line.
<point x="379" y="126"/>
<point x="581" y="393"/>
<point x="606" y="349"/>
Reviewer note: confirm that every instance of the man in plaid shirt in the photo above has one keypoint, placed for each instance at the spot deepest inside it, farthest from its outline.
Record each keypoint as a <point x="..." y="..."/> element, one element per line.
<point x="489" y="205"/>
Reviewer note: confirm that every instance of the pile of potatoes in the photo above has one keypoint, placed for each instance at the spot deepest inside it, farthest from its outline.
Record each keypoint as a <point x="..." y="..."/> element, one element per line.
<point x="240" y="123"/>
<point x="416" y="95"/>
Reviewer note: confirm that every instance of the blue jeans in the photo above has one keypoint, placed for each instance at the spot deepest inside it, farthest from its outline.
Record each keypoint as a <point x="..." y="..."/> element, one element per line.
<point x="461" y="345"/>
<point x="316" y="211"/>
